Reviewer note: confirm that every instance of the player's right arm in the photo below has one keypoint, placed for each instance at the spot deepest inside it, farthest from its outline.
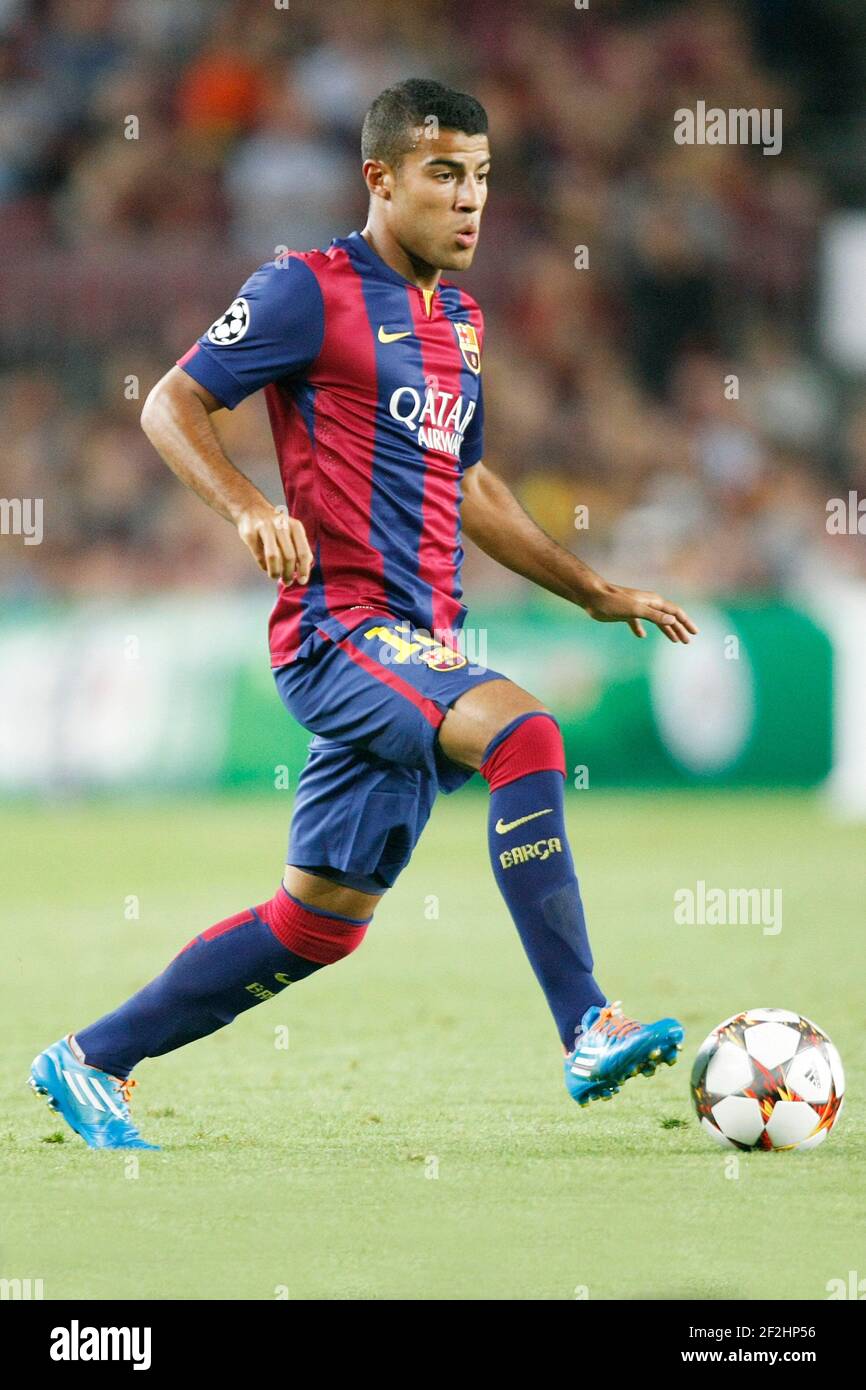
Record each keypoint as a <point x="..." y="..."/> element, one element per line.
<point x="177" y="420"/>
<point x="272" y="330"/>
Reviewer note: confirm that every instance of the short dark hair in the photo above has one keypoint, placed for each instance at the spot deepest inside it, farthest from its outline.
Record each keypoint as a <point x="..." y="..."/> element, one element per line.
<point x="389" y="125"/>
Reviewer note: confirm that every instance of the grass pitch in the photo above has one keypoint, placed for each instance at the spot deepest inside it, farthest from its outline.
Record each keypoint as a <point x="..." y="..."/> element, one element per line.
<point x="415" y="1139"/>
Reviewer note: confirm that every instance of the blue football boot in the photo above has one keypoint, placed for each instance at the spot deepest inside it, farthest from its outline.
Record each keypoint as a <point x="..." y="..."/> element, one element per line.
<point x="93" y="1103"/>
<point x="613" y="1048"/>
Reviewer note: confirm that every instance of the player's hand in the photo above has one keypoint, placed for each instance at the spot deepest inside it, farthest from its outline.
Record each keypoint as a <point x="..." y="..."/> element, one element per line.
<point x="612" y="603"/>
<point x="277" y="541"/>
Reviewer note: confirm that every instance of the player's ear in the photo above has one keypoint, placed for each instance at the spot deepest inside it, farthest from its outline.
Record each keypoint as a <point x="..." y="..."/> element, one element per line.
<point x="378" y="178"/>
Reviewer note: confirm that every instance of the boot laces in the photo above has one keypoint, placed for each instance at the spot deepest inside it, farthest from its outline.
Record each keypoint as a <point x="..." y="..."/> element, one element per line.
<point x="613" y="1021"/>
<point x="125" y="1086"/>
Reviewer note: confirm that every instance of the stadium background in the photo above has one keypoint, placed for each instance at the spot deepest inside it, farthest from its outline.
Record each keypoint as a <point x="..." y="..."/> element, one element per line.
<point x="134" y="687"/>
<point x="606" y="385"/>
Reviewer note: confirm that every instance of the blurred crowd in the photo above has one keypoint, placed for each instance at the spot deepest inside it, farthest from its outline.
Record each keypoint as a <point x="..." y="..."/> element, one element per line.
<point x="660" y="402"/>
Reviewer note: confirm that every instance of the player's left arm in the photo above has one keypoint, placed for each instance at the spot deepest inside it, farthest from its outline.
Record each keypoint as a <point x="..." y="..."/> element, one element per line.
<point x="494" y="519"/>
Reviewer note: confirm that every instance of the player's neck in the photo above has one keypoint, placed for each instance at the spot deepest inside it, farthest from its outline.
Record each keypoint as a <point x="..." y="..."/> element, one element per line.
<point x="425" y="276"/>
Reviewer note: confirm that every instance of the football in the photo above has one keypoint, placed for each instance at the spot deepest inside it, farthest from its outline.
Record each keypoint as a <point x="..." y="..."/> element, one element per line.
<point x="768" y="1079"/>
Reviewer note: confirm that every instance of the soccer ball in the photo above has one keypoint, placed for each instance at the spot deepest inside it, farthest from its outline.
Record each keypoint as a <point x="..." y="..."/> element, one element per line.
<point x="768" y="1079"/>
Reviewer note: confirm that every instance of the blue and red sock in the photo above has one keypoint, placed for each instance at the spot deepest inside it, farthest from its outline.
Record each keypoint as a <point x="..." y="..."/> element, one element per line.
<point x="225" y="970"/>
<point x="525" y="768"/>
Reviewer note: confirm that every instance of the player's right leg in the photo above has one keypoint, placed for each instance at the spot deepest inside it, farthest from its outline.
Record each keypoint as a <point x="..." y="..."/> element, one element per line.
<point x="225" y="970"/>
<point x="356" y="819"/>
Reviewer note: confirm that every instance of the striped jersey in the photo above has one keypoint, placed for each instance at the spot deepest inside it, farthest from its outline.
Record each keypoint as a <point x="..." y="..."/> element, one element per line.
<point x="373" y="390"/>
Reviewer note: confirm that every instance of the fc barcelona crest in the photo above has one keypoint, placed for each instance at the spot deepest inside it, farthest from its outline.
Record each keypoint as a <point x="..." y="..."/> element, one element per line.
<point x="468" y="340"/>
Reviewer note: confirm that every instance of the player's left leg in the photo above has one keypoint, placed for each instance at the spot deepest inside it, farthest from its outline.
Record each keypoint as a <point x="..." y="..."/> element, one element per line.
<point x="517" y="746"/>
<point x="509" y="736"/>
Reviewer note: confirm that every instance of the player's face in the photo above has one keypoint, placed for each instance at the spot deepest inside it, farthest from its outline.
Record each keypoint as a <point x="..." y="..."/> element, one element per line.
<point x="438" y="196"/>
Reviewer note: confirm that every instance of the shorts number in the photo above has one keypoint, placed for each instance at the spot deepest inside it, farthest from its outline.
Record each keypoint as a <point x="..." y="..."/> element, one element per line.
<point x="421" y="648"/>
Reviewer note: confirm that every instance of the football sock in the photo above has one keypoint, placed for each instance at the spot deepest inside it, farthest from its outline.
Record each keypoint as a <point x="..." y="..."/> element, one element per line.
<point x="227" y="969"/>
<point x="525" y="768"/>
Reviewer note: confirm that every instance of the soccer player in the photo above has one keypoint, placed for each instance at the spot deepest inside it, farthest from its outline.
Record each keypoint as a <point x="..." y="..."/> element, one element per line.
<point x="371" y="367"/>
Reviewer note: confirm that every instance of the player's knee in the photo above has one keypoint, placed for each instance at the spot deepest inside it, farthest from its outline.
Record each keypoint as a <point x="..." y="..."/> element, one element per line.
<point x="530" y="743"/>
<point x="312" y="933"/>
<point x="334" y="892"/>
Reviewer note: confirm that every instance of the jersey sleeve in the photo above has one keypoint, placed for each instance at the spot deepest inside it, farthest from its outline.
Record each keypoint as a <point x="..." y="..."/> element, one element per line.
<point x="272" y="329"/>
<point x="473" y="439"/>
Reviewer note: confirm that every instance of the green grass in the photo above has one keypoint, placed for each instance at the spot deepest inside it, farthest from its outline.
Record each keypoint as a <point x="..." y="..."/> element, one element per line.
<point x="428" y="1050"/>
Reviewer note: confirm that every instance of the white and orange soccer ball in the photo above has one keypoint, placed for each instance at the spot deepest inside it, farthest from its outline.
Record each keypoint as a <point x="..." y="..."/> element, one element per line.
<point x="768" y="1079"/>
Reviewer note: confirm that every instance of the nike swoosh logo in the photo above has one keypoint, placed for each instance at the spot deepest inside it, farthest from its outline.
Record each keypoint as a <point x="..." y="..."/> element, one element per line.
<point x="503" y="829"/>
<point x="386" y="337"/>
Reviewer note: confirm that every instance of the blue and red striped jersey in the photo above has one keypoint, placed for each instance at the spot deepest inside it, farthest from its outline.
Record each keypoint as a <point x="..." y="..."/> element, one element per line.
<point x="373" y="389"/>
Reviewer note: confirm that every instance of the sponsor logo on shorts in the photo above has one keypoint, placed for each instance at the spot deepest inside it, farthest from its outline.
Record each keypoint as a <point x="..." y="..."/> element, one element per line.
<point x="521" y="854"/>
<point x="404" y="645"/>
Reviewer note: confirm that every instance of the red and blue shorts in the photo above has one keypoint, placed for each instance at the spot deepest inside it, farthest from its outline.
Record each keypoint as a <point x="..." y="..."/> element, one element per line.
<point x="374" y="698"/>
